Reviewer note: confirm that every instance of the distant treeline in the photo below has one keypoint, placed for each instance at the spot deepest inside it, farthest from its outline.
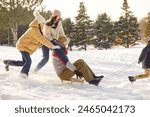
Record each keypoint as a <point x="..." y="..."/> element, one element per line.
<point x="102" y="33"/>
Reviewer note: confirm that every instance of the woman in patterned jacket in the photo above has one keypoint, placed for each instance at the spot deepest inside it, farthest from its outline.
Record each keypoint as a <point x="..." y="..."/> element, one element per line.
<point x="66" y="70"/>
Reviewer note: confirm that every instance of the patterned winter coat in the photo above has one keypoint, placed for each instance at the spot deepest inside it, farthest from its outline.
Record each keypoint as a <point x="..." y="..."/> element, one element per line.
<point x="145" y="57"/>
<point x="32" y="39"/>
<point x="60" y="61"/>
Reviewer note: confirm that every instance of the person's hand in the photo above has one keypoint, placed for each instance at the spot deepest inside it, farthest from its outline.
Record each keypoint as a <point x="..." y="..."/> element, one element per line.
<point x="78" y="74"/>
<point x="139" y="61"/>
<point x="56" y="47"/>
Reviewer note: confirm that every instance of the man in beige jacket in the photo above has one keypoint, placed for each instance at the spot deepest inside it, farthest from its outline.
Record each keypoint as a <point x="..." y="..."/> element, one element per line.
<point x="28" y="43"/>
<point x="66" y="70"/>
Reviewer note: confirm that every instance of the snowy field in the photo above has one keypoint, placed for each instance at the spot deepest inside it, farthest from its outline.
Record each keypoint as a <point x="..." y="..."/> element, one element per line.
<point x="115" y="64"/>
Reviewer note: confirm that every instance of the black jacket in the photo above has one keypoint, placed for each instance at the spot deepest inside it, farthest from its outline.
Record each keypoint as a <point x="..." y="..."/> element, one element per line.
<point x="145" y="57"/>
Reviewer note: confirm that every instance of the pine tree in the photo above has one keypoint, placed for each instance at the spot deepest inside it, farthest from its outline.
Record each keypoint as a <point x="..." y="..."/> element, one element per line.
<point x="67" y="26"/>
<point x="82" y="26"/>
<point x="145" y="28"/>
<point x="104" y="32"/>
<point x="129" y="27"/>
<point x="16" y="12"/>
<point x="68" y="29"/>
<point x="147" y="31"/>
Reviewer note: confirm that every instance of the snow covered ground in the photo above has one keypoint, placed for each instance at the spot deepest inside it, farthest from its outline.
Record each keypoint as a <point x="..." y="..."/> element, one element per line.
<point x="115" y="64"/>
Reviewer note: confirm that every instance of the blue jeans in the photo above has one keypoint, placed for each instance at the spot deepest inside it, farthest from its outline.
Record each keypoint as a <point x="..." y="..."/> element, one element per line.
<point x="45" y="51"/>
<point x="26" y="62"/>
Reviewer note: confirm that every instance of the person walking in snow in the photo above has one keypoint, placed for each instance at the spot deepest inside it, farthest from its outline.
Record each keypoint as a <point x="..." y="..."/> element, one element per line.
<point x="66" y="70"/>
<point x="28" y="43"/>
<point x="145" y="59"/>
<point x="52" y="29"/>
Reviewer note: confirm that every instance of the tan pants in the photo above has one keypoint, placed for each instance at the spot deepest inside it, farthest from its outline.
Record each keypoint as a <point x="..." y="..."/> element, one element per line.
<point x="145" y="75"/>
<point x="82" y="67"/>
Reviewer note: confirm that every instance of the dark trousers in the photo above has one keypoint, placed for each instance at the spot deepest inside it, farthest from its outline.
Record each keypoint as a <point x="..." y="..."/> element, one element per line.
<point x="26" y="62"/>
<point x="45" y="51"/>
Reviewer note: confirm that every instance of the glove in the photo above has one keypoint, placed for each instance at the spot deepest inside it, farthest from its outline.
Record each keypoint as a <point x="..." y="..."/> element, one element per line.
<point x="56" y="47"/>
<point x="139" y="61"/>
<point x="78" y="74"/>
<point x="57" y="43"/>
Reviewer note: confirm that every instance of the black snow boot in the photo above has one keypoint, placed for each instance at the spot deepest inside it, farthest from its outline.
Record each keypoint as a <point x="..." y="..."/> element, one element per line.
<point x="95" y="77"/>
<point x="95" y="81"/>
<point x="132" y="78"/>
<point x="6" y="62"/>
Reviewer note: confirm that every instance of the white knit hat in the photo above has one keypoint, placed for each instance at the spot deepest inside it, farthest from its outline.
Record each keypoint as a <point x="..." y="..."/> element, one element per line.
<point x="56" y="13"/>
<point x="148" y="40"/>
<point x="38" y="17"/>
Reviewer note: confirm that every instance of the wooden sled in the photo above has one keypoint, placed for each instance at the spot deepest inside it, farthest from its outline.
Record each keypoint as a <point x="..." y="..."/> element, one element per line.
<point x="72" y="80"/>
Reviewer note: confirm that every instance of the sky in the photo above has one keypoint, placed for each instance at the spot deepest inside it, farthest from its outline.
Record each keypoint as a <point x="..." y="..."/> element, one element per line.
<point x="69" y="8"/>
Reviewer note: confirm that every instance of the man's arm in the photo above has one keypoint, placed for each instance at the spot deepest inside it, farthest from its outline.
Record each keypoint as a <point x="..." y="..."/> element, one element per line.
<point x="40" y="38"/>
<point x="143" y="53"/>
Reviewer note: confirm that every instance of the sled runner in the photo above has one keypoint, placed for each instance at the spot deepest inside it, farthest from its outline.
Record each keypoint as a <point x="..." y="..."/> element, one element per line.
<point x="74" y="80"/>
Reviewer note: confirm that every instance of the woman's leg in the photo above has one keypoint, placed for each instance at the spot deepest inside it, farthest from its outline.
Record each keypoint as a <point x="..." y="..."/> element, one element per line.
<point x="67" y="74"/>
<point x="45" y="51"/>
<point x="82" y="67"/>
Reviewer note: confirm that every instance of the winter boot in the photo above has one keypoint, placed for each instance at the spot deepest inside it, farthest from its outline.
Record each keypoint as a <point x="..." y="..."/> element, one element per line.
<point x="132" y="78"/>
<point x="23" y="75"/>
<point x="35" y="70"/>
<point x="95" y="77"/>
<point x="95" y="81"/>
<point x="6" y="62"/>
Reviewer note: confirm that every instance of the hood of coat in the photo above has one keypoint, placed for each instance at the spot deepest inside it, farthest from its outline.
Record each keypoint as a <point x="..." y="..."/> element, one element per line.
<point x="34" y="24"/>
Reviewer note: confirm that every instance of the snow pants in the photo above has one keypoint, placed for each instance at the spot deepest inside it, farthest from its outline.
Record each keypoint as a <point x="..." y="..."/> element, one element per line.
<point x="81" y="65"/>
<point x="145" y="75"/>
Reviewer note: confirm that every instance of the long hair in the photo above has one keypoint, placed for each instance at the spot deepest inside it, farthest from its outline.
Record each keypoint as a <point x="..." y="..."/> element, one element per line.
<point x="40" y="29"/>
<point x="52" y="22"/>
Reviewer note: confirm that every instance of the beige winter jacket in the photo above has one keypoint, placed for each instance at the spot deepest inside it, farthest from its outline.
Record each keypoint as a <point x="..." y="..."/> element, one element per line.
<point x="32" y="39"/>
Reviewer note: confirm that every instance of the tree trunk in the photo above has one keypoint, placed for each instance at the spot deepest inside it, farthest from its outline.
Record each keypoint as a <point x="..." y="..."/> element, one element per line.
<point x="8" y="37"/>
<point x="85" y="47"/>
<point x="70" y="48"/>
<point x="14" y="29"/>
<point x="128" y="42"/>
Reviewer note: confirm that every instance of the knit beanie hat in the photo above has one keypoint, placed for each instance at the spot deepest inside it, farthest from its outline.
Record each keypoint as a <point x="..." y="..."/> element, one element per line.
<point x="56" y="13"/>
<point x="63" y="40"/>
<point x="148" y="40"/>
<point x="38" y="17"/>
